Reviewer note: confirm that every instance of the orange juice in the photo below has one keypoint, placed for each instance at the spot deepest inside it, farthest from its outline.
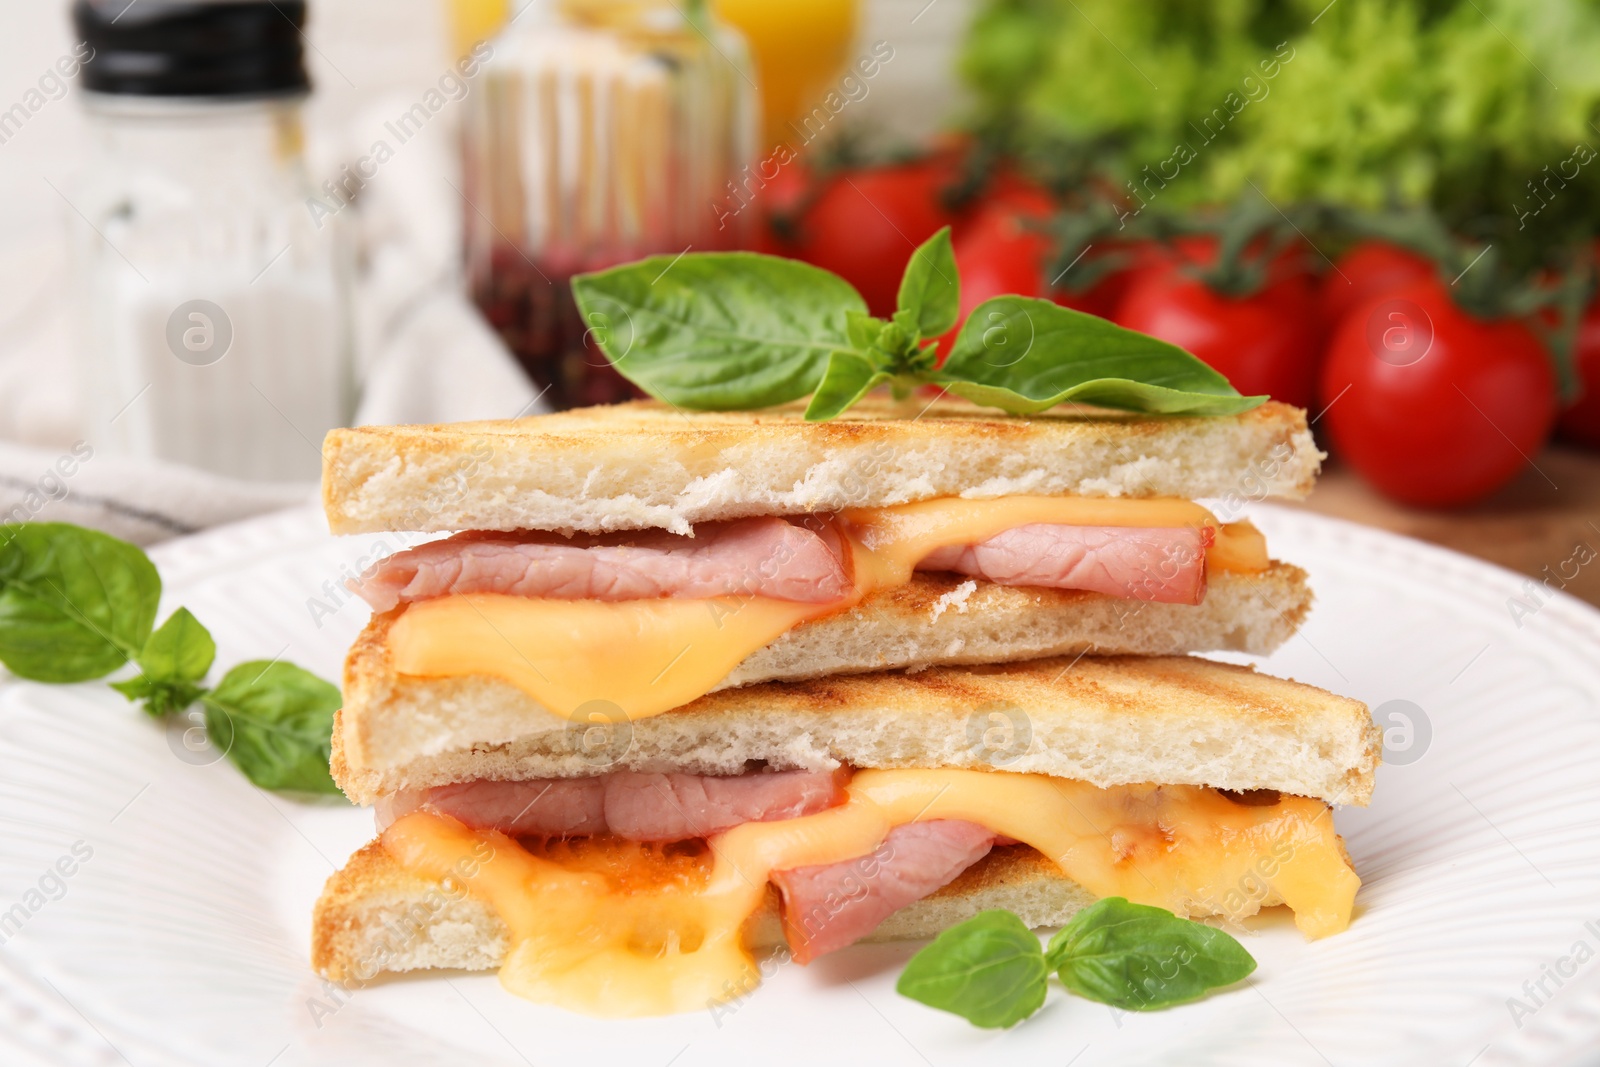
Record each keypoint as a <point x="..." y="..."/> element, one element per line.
<point x="799" y="47"/>
<point x="472" y="21"/>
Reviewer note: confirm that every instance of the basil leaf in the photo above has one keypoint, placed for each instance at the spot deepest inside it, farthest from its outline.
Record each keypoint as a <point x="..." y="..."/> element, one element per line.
<point x="862" y="330"/>
<point x="930" y="289"/>
<point x="1140" y="958"/>
<point x="177" y="656"/>
<point x="75" y="604"/>
<point x="275" y="722"/>
<point x="180" y="651"/>
<point x="1025" y="355"/>
<point x="989" y="970"/>
<point x="848" y="378"/>
<point x="720" y="330"/>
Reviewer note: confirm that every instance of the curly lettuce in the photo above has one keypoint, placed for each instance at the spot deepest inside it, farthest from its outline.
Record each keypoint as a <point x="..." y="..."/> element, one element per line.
<point x="1453" y="104"/>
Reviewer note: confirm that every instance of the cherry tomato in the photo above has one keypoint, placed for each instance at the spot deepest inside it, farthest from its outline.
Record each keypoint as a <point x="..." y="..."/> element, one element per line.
<point x="1001" y="249"/>
<point x="998" y="251"/>
<point x="1580" y="422"/>
<point x="781" y="203"/>
<point x="1433" y="406"/>
<point x="1368" y="270"/>
<point x="863" y="224"/>
<point x="1004" y="191"/>
<point x="1106" y="295"/>
<point x="1262" y="343"/>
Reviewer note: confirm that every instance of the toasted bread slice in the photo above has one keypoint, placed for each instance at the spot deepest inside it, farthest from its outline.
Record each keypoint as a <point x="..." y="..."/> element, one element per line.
<point x="645" y="464"/>
<point x="1107" y="721"/>
<point x="937" y="619"/>
<point x="374" y="917"/>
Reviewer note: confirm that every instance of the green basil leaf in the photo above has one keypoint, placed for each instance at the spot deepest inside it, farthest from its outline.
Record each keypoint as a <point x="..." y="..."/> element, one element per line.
<point x="1140" y="958"/>
<point x="1024" y="355"/>
<point x="180" y="651"/>
<point x="930" y="289"/>
<point x="862" y="330"/>
<point x="275" y="722"/>
<point x="75" y="604"/>
<point x="849" y="377"/>
<point x="718" y="331"/>
<point x="989" y="970"/>
<point x="177" y="656"/>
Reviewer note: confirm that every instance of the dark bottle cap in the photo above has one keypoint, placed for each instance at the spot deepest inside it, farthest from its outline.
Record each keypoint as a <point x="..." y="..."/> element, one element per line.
<point x="222" y="48"/>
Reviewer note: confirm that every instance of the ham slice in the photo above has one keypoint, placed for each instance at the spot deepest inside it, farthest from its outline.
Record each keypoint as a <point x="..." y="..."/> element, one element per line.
<point x="774" y="557"/>
<point x="555" y="807"/>
<point x="1163" y="564"/>
<point x="769" y="557"/>
<point x="628" y="804"/>
<point x="828" y="907"/>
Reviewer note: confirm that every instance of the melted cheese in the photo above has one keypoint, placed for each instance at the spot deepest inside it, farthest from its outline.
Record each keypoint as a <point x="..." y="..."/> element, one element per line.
<point x="890" y="542"/>
<point x="592" y="938"/>
<point x="584" y="659"/>
<point x="1239" y="547"/>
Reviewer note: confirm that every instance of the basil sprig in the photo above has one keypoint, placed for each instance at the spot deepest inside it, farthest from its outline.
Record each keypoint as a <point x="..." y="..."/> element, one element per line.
<point x="723" y="331"/>
<point x="77" y="604"/>
<point x="992" y="971"/>
<point x="989" y="970"/>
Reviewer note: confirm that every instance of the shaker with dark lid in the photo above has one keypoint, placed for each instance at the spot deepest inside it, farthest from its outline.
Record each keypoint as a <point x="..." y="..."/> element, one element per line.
<point x="187" y="48"/>
<point x="216" y="327"/>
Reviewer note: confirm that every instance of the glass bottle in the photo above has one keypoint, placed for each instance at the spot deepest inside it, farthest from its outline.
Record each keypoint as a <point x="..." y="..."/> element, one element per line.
<point x="604" y="130"/>
<point x="217" y="326"/>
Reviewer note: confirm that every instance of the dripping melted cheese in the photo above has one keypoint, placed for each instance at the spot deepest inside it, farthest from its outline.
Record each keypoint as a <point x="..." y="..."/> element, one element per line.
<point x="616" y="929"/>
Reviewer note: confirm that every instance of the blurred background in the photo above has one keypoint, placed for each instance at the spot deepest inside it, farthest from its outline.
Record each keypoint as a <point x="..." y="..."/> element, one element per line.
<point x="227" y="227"/>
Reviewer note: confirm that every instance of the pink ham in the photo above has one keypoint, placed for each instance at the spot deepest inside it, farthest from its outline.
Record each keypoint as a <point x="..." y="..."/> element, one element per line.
<point x="785" y="560"/>
<point x="555" y="807"/>
<point x="1160" y="564"/>
<point x="769" y="557"/>
<point x="674" y="807"/>
<point x="629" y="804"/>
<point x="828" y="907"/>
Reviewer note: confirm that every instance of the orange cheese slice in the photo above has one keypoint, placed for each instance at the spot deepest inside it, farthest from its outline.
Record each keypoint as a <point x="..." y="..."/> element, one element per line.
<point x="581" y="658"/>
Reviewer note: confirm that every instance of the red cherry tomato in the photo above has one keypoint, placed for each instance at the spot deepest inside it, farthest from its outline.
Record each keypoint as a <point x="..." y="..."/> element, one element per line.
<point x="1433" y="406"/>
<point x="863" y="224"/>
<point x="780" y="203"/>
<point x="1106" y="295"/>
<point x="1370" y="269"/>
<point x="1580" y="422"/>
<point x="1005" y="191"/>
<point x="1001" y="249"/>
<point x="1262" y="343"/>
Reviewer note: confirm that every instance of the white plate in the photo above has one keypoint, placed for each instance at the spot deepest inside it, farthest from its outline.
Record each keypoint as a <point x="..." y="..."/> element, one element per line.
<point x="183" y="938"/>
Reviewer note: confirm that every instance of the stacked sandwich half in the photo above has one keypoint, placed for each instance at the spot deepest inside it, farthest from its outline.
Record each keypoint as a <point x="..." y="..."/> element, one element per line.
<point x="693" y="688"/>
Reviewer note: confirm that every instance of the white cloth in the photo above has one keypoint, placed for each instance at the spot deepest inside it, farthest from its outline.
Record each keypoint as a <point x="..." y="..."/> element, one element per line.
<point x="428" y="357"/>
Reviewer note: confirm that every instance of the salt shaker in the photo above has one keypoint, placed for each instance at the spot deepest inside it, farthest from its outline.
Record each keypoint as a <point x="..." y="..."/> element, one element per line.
<point x="216" y="323"/>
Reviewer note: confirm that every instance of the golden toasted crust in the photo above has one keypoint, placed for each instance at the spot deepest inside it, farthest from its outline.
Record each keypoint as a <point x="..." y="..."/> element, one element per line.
<point x="645" y="464"/>
<point x="1109" y="721"/>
